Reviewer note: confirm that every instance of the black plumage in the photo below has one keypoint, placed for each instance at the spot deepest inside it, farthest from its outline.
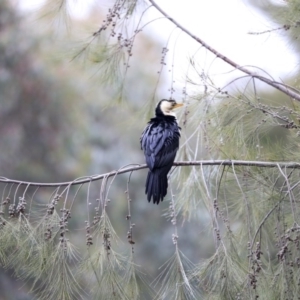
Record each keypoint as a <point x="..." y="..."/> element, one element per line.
<point x="160" y="142"/>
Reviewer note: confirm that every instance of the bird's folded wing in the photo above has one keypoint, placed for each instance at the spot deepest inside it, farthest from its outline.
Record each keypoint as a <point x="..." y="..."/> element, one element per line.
<point x="160" y="144"/>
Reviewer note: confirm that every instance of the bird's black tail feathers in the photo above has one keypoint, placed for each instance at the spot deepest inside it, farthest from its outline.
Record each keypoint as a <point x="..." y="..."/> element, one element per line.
<point x="156" y="186"/>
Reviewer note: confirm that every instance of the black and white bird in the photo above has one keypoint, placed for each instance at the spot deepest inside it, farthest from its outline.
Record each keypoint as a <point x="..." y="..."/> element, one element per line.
<point x="160" y="142"/>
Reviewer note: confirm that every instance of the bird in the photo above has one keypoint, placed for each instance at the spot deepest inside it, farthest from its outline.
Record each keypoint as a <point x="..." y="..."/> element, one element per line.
<point x="160" y="142"/>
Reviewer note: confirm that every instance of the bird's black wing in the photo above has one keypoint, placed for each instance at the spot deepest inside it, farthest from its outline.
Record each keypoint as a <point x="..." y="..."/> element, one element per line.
<point x="160" y="142"/>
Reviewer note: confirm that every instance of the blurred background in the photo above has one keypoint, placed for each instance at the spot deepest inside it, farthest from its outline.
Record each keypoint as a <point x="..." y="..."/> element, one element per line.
<point x="58" y="121"/>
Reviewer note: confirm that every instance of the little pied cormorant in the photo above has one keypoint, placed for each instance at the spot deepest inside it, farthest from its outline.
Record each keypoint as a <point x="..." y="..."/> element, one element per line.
<point x="160" y="142"/>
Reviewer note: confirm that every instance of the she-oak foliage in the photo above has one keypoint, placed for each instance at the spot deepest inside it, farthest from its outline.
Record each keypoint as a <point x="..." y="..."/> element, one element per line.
<point x="250" y="213"/>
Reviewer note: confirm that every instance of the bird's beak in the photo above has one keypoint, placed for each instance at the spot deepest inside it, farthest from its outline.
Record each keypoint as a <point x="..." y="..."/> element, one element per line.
<point x="178" y="105"/>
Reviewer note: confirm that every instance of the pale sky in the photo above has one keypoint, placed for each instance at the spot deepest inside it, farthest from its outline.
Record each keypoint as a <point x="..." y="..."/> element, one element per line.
<point x="225" y="25"/>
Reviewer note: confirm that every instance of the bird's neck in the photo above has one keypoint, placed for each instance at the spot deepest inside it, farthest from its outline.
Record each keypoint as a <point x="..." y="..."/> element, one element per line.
<point x="162" y="117"/>
<point x="166" y="113"/>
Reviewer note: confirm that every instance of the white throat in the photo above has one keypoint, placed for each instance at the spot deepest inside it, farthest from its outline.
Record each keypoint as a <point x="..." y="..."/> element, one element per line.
<point x="166" y="109"/>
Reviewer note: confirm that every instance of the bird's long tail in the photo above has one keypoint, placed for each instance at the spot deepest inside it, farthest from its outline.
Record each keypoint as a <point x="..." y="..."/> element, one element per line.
<point x="156" y="186"/>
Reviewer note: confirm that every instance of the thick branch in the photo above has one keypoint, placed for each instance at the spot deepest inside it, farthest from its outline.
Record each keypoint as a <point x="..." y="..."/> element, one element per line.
<point x="86" y="179"/>
<point x="281" y="87"/>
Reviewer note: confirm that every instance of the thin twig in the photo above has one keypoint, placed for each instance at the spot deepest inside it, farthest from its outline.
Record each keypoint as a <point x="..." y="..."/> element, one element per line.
<point x="212" y="211"/>
<point x="291" y="195"/>
<point x="245" y="200"/>
<point x="261" y="224"/>
<point x="283" y="88"/>
<point x="129" y="216"/>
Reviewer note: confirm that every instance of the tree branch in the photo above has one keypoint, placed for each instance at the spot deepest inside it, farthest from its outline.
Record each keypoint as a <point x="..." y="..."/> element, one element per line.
<point x="279" y="86"/>
<point x="86" y="179"/>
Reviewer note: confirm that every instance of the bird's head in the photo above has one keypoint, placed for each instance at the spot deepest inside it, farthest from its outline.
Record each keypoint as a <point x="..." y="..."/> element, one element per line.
<point x="165" y="107"/>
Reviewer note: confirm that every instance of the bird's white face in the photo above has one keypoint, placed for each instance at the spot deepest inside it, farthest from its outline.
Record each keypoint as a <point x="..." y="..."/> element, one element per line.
<point x="167" y="107"/>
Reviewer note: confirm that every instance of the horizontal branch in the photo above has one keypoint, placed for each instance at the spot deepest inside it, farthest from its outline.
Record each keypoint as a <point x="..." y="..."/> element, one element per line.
<point x="281" y="87"/>
<point x="86" y="179"/>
